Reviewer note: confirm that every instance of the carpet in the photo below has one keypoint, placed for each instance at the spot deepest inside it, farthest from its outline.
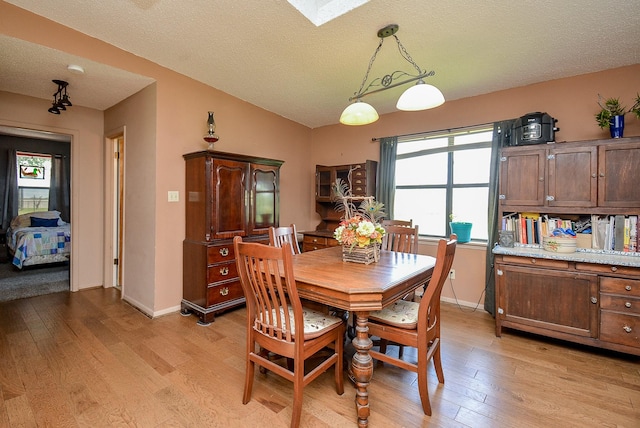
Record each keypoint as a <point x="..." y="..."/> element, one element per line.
<point x="32" y="281"/>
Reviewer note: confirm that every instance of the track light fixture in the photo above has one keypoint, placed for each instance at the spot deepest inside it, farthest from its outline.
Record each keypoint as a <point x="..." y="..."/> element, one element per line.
<point x="421" y="96"/>
<point x="60" y="100"/>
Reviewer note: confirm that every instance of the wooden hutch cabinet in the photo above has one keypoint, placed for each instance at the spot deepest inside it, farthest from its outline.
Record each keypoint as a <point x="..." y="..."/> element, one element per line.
<point x="363" y="183"/>
<point x="588" y="297"/>
<point x="226" y="195"/>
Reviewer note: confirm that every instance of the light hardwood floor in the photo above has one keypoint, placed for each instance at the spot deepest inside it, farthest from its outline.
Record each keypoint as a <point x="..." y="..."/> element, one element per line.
<point x="88" y="359"/>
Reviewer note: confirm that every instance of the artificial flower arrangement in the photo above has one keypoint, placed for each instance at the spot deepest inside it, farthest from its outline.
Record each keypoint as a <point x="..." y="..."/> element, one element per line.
<point x="360" y="226"/>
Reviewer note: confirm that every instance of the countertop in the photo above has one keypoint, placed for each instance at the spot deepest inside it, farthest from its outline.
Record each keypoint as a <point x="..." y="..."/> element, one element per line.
<point x="582" y="255"/>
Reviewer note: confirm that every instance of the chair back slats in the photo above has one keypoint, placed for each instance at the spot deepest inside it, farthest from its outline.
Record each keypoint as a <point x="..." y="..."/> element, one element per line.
<point x="278" y="236"/>
<point x="268" y="295"/>
<point x="402" y="239"/>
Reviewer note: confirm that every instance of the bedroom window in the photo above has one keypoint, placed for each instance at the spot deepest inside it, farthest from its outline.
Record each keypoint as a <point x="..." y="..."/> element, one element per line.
<point x="34" y="176"/>
<point x="442" y="173"/>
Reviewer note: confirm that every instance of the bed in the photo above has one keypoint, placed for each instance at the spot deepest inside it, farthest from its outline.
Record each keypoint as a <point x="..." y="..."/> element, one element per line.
<point x="39" y="238"/>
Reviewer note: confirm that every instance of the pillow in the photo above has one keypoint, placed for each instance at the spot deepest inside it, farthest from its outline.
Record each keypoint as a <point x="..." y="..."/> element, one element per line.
<point x="24" y="220"/>
<point x="44" y="222"/>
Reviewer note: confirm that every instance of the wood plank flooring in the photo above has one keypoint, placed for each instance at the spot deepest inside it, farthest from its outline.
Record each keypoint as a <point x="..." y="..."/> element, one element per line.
<point x="88" y="359"/>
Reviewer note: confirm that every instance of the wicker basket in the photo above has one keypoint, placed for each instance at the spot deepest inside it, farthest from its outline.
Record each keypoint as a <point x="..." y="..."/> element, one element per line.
<point x="364" y="255"/>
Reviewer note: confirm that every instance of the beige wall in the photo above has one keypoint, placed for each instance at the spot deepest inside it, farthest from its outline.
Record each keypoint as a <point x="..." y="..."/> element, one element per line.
<point x="167" y="119"/>
<point x="85" y="127"/>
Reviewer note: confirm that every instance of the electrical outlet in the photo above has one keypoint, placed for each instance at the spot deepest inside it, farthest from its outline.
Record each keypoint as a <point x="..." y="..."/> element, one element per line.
<point x="452" y="274"/>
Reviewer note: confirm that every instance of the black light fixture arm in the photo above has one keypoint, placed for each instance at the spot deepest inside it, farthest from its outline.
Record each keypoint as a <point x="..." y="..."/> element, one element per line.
<point x="389" y="81"/>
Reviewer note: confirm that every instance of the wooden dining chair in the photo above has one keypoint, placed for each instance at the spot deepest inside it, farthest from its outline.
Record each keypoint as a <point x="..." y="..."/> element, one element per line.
<point x="282" y="234"/>
<point x="417" y="324"/>
<point x="277" y="322"/>
<point x="388" y="222"/>
<point x="403" y="239"/>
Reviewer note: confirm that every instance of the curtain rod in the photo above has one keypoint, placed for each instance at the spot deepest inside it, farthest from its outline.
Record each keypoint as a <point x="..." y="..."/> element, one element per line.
<point x="436" y="131"/>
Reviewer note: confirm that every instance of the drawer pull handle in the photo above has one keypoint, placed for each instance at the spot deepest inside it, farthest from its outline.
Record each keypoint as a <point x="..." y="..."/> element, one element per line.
<point x="224" y="291"/>
<point x="315" y="240"/>
<point x="627" y="329"/>
<point x="224" y="271"/>
<point x="627" y="287"/>
<point x="594" y="300"/>
<point x="627" y="304"/>
<point x="614" y="269"/>
<point x="533" y="261"/>
<point x="224" y="252"/>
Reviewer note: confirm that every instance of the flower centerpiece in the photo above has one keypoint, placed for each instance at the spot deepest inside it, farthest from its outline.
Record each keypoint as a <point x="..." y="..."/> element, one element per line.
<point x="360" y="232"/>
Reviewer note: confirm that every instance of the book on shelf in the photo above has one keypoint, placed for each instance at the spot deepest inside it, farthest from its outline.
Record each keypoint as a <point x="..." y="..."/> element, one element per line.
<point x="607" y="232"/>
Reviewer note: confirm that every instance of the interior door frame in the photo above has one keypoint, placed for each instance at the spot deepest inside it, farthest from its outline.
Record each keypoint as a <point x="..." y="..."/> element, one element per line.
<point x="114" y="183"/>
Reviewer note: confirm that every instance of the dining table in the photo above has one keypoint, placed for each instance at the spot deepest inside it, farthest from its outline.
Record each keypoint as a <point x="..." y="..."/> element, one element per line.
<point x="322" y="276"/>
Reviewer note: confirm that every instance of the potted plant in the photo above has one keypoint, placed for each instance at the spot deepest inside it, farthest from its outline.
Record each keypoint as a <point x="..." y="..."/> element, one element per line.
<point x="635" y="109"/>
<point x="461" y="228"/>
<point x="611" y="114"/>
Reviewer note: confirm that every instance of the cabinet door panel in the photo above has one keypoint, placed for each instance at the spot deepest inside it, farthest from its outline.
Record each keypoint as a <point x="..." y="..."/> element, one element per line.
<point x="619" y="175"/>
<point x="548" y="299"/>
<point x="572" y="179"/>
<point x="229" y="198"/>
<point x="522" y="177"/>
<point x="264" y="199"/>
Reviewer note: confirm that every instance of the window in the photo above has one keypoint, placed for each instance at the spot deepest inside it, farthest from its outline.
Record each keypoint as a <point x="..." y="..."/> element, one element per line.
<point x="442" y="173"/>
<point x="34" y="176"/>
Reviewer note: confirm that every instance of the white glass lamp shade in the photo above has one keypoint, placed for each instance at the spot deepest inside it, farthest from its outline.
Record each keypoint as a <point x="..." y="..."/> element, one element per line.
<point x="420" y="96"/>
<point x="359" y="113"/>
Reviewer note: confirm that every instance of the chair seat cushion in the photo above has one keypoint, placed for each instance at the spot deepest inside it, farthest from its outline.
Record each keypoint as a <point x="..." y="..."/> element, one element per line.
<point x="402" y="314"/>
<point x="315" y="323"/>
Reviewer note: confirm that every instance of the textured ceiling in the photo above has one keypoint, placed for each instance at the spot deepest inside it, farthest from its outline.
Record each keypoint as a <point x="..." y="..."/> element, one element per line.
<point x="267" y="53"/>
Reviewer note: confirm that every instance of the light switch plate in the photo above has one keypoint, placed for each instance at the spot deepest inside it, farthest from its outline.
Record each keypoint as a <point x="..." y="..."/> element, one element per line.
<point x="174" y="196"/>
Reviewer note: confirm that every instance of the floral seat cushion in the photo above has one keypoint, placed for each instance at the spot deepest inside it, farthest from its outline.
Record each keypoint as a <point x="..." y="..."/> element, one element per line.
<point x="315" y="323"/>
<point x="402" y="314"/>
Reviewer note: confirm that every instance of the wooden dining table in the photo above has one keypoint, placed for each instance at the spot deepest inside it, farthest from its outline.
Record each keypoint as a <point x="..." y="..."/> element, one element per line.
<point x="322" y="276"/>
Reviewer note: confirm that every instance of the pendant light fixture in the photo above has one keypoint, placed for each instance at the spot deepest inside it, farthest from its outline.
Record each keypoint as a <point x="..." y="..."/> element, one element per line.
<point x="420" y="96"/>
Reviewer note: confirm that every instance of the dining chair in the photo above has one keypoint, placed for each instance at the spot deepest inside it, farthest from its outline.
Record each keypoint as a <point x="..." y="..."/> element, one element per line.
<point x="417" y="324"/>
<point x="282" y="234"/>
<point x="403" y="239"/>
<point x="277" y="322"/>
<point x="388" y="222"/>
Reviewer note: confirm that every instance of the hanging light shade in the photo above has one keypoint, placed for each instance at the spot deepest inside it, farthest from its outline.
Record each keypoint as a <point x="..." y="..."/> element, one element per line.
<point x="60" y="100"/>
<point x="359" y="113"/>
<point x="420" y="96"/>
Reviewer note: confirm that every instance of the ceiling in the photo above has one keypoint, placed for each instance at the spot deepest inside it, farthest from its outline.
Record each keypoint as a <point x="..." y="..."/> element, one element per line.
<point x="267" y="53"/>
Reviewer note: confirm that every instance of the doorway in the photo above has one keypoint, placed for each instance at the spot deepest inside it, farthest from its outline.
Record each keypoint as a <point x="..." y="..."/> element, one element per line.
<point x="118" y="211"/>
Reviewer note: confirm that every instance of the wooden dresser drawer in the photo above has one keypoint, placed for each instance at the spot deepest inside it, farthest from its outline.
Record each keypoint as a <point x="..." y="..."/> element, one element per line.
<point x="312" y="242"/>
<point x="618" y="270"/>
<point x="626" y="287"/>
<point x="620" y="328"/>
<point x="620" y="304"/>
<point x="222" y="272"/>
<point x="220" y="253"/>
<point x="224" y="292"/>
<point x="534" y="261"/>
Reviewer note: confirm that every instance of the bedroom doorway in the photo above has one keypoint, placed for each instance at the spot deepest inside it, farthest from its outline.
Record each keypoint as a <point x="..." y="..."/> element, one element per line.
<point x="118" y="210"/>
<point x="34" y="152"/>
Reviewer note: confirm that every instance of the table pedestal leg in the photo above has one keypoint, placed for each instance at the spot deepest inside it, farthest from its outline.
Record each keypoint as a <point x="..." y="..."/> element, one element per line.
<point x="362" y="367"/>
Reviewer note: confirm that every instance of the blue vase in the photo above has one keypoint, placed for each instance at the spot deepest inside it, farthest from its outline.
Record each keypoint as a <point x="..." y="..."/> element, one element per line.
<point x="616" y="126"/>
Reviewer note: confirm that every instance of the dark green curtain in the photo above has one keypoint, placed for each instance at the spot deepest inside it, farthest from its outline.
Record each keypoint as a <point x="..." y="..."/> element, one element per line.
<point x="59" y="198"/>
<point x="10" y="200"/>
<point x="386" y="187"/>
<point x="501" y="136"/>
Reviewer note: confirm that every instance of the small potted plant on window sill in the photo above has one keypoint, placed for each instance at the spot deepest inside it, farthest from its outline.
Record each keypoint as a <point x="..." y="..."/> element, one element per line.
<point x="461" y="228"/>
<point x="611" y="114"/>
